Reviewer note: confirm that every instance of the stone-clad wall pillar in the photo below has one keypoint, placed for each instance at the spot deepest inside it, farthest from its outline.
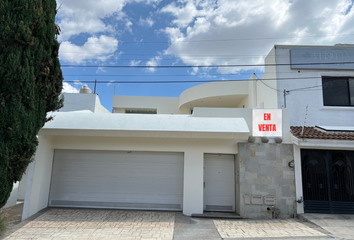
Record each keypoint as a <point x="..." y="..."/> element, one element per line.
<point x="262" y="170"/>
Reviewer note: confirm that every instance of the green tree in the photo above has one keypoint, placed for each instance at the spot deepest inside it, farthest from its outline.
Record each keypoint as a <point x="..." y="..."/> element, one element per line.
<point x="31" y="82"/>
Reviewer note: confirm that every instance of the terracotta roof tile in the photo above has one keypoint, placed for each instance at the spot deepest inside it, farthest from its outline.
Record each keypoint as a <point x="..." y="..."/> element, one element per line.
<point x="314" y="133"/>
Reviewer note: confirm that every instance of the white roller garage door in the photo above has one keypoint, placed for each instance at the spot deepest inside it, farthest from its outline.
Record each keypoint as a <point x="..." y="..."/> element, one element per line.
<point x="112" y="179"/>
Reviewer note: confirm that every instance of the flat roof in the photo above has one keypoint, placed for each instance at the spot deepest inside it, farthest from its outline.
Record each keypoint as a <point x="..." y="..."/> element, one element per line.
<point x="144" y="125"/>
<point x="316" y="46"/>
<point x="337" y="128"/>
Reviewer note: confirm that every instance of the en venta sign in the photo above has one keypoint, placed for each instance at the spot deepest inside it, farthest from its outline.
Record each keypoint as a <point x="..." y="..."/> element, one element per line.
<point x="267" y="123"/>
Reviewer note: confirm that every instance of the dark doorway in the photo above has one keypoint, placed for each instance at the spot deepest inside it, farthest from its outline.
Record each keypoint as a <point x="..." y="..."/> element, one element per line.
<point x="328" y="181"/>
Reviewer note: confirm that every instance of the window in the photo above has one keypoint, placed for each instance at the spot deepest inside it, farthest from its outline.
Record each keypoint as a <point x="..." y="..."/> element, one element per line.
<point x="338" y="91"/>
<point x="141" y="111"/>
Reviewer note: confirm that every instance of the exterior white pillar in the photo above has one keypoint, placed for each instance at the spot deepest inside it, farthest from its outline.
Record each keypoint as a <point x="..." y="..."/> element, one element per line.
<point x="39" y="176"/>
<point x="193" y="191"/>
<point x="298" y="178"/>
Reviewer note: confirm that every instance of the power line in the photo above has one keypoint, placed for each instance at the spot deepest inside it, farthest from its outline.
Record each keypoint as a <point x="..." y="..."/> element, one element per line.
<point x="201" y="74"/>
<point x="286" y="92"/>
<point x="220" y="40"/>
<point x="209" y="66"/>
<point x="206" y="80"/>
<point x="311" y="88"/>
<point x="267" y="84"/>
<point x="194" y="81"/>
<point x="201" y="55"/>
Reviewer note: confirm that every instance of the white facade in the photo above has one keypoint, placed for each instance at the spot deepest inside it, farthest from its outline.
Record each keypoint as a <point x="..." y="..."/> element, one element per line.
<point x="302" y="75"/>
<point x="224" y="94"/>
<point x="205" y="126"/>
<point x="301" y="84"/>
<point x="207" y="131"/>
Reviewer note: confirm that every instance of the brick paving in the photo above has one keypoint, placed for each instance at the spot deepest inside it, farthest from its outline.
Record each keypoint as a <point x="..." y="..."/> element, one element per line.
<point x="57" y="224"/>
<point x="287" y="228"/>
<point x="60" y="224"/>
<point x="12" y="215"/>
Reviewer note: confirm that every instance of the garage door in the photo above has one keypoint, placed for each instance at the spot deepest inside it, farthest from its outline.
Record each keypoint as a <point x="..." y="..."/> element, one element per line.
<point x="122" y="180"/>
<point x="219" y="183"/>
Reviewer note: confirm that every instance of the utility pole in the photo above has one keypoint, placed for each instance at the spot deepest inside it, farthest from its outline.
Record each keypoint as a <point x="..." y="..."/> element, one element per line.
<point x="94" y="91"/>
<point x="285" y="93"/>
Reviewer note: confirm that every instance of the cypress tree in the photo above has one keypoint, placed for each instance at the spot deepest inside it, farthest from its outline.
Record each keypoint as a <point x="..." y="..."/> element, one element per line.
<point x="31" y="82"/>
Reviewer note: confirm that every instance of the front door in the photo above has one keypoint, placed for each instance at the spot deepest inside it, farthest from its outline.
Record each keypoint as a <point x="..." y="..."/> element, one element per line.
<point x="328" y="181"/>
<point x="219" y="183"/>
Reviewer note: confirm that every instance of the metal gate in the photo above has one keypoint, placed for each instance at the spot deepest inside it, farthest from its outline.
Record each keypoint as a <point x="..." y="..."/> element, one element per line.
<point x="328" y="181"/>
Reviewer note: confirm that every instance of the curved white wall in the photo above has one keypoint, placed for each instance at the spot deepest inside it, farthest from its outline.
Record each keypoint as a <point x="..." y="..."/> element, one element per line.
<point x="213" y="91"/>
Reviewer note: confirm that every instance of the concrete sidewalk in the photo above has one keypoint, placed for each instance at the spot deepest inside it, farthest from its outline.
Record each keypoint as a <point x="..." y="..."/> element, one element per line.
<point x="58" y="223"/>
<point x="338" y="225"/>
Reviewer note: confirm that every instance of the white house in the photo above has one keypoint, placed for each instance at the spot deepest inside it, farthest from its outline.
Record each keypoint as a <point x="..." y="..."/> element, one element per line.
<point x="319" y="93"/>
<point x="157" y="154"/>
<point x="196" y="153"/>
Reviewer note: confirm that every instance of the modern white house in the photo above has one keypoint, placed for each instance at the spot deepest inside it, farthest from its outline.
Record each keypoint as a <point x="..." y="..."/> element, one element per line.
<point x="196" y="153"/>
<point x="188" y="154"/>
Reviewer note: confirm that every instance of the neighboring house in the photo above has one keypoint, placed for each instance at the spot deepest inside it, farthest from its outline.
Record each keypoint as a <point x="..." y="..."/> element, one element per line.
<point x="320" y="81"/>
<point x="85" y="101"/>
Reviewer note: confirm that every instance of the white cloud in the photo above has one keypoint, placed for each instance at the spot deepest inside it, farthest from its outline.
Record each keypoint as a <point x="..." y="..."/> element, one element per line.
<point x="110" y="82"/>
<point x="77" y="17"/>
<point x="155" y="61"/>
<point x="101" y="69"/>
<point x="128" y="25"/>
<point x="247" y="30"/>
<point x="184" y="15"/>
<point x="79" y="84"/>
<point x="134" y="63"/>
<point x="85" y="17"/>
<point x="146" y="22"/>
<point x="67" y="88"/>
<point x="95" y="48"/>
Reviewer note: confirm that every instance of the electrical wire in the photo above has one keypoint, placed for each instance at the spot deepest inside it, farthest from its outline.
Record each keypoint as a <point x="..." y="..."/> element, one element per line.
<point x="193" y="81"/>
<point x="209" y="66"/>
<point x="221" y="40"/>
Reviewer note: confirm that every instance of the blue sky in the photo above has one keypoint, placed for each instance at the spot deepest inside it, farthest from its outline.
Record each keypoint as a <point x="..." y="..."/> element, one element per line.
<point x="103" y="33"/>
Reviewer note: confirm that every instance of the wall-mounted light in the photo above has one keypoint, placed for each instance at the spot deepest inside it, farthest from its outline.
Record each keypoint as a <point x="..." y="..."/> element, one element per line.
<point x="291" y="164"/>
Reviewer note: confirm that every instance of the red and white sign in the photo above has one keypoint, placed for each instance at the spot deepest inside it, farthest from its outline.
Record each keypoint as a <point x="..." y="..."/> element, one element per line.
<point x="267" y="123"/>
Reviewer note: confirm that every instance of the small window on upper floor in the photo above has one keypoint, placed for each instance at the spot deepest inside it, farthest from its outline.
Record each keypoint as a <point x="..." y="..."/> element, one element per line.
<point x="141" y="111"/>
<point x="338" y="91"/>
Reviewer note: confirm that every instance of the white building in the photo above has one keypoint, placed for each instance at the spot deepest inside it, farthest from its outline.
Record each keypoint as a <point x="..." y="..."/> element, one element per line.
<point x="320" y="81"/>
<point x="160" y="156"/>
<point x="193" y="153"/>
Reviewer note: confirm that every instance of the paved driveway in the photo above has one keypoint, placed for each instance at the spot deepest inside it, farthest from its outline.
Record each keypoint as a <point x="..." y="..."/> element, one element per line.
<point x="57" y="224"/>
